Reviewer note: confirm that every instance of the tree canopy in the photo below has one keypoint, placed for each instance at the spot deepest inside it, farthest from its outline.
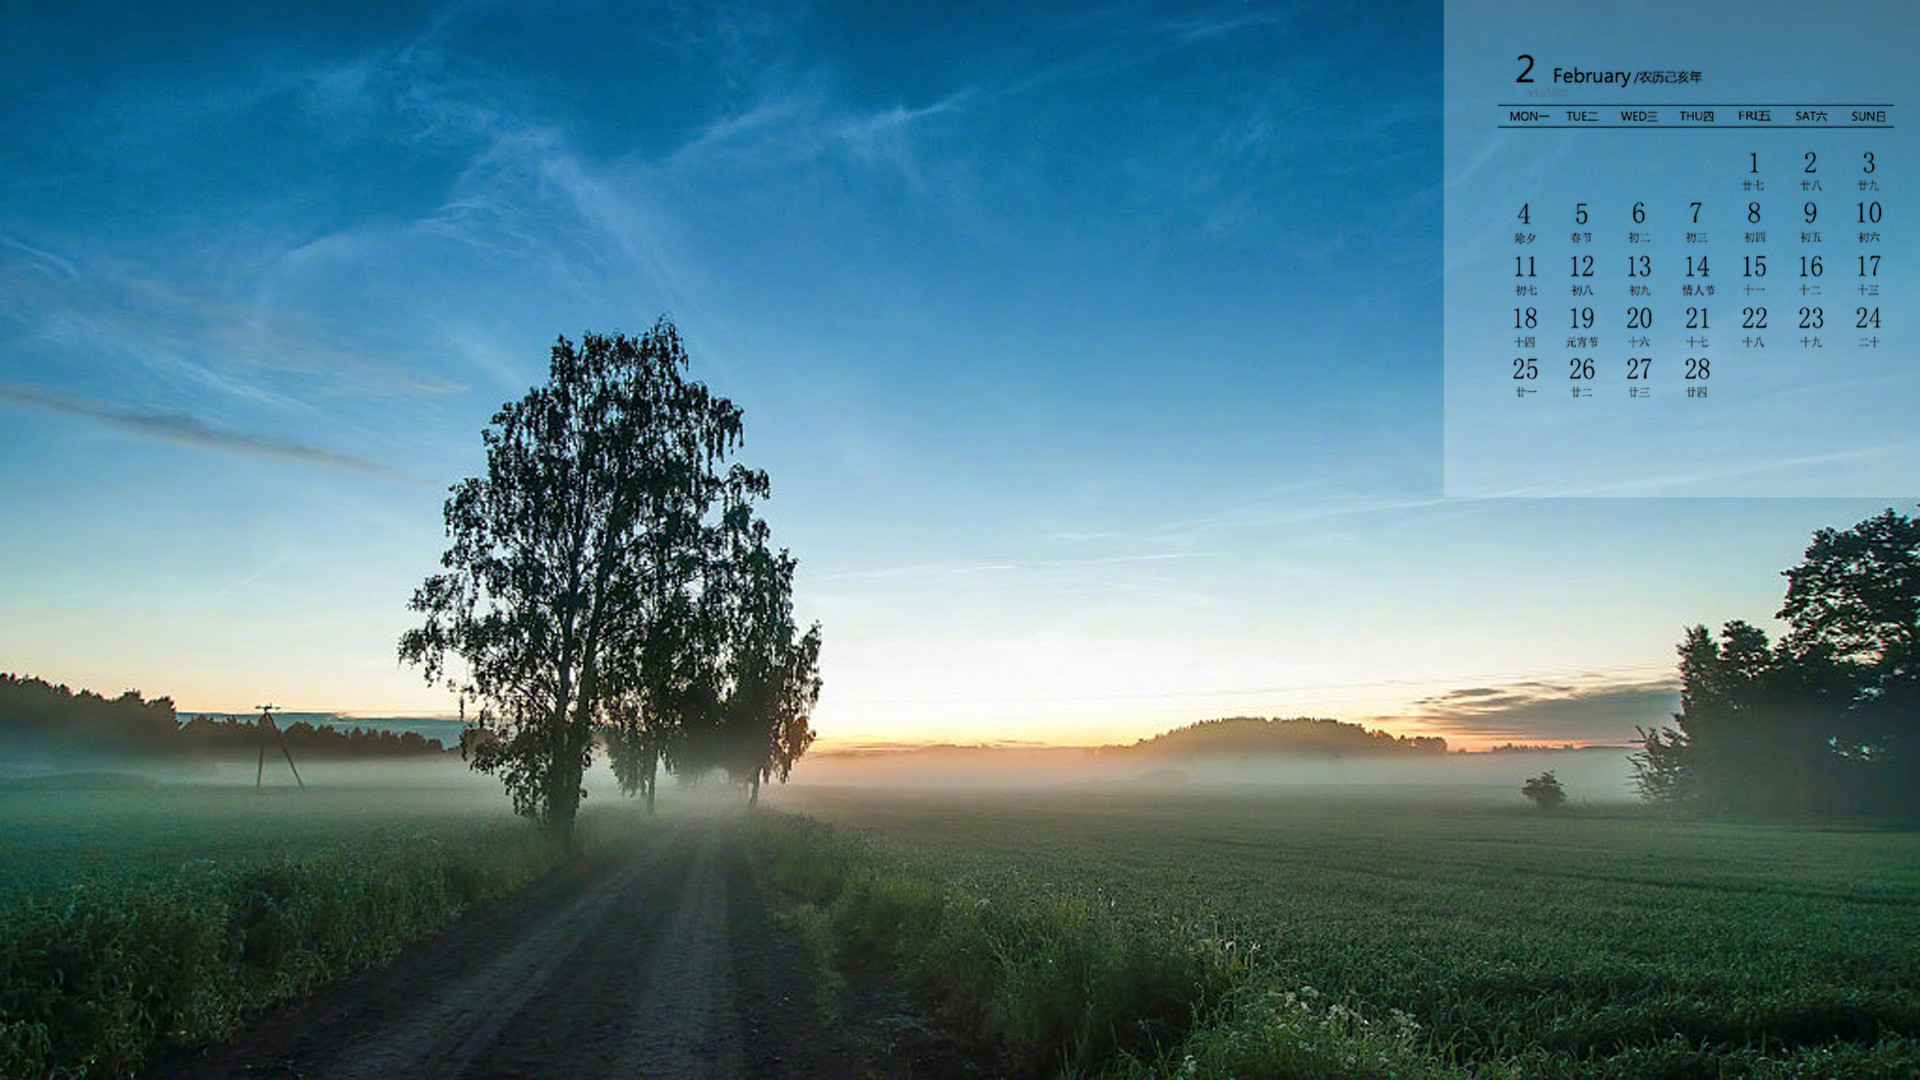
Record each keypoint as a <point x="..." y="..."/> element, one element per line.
<point x="1545" y="791"/>
<point x="589" y="586"/>
<point x="728" y="680"/>
<point x="1824" y="720"/>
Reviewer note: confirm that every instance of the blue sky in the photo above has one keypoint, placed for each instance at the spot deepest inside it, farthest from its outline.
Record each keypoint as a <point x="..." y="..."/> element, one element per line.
<point x="1094" y="351"/>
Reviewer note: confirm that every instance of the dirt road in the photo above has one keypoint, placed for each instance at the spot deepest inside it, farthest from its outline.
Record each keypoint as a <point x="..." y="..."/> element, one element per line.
<point x="656" y="957"/>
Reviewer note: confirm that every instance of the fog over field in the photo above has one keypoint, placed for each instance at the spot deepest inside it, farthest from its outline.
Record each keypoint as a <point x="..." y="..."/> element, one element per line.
<point x="1598" y="775"/>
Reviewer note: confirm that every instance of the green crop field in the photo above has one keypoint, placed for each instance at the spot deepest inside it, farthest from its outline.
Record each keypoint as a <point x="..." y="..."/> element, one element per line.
<point x="61" y="834"/>
<point x="134" y="917"/>
<point x="1091" y="931"/>
<point x="1417" y="935"/>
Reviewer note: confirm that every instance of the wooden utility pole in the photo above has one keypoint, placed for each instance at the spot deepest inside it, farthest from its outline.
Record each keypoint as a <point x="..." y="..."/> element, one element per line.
<point x="260" y="768"/>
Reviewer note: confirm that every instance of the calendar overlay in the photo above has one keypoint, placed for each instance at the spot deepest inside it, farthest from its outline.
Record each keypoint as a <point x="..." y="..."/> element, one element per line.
<point x="1757" y="300"/>
<point x="1651" y="290"/>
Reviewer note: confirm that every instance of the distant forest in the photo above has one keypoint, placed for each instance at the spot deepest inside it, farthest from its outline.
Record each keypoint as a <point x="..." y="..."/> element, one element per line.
<point x="43" y="720"/>
<point x="1245" y="736"/>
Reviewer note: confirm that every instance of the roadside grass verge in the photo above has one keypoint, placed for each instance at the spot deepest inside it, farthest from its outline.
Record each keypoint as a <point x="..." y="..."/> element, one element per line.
<point x="1038" y="987"/>
<point x="98" y="975"/>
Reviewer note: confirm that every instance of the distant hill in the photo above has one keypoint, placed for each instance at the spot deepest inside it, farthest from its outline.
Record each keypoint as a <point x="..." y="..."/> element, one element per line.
<point x="1248" y="736"/>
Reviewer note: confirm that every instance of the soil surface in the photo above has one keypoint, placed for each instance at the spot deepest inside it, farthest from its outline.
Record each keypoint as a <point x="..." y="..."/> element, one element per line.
<point x="655" y="957"/>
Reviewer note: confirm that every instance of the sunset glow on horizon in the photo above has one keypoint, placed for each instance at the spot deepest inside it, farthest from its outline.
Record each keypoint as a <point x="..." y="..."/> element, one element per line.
<point x="1094" y="356"/>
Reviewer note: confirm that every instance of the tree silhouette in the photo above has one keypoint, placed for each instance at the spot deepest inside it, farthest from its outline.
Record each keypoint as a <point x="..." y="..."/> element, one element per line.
<point x="675" y="694"/>
<point x="1545" y="791"/>
<point x="38" y="715"/>
<point x="771" y="668"/>
<point x="1661" y="770"/>
<point x="585" y="545"/>
<point x="1853" y="606"/>
<point x="728" y="681"/>
<point x="1753" y="727"/>
<point x="1822" y="721"/>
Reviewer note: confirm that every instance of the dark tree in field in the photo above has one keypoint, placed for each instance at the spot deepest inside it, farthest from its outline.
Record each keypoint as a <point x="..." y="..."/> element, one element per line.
<point x="1755" y="730"/>
<point x="1660" y="770"/>
<point x="1853" y="606"/>
<point x="1736" y="717"/>
<point x="1545" y="791"/>
<point x="674" y="693"/>
<point x="1827" y="719"/>
<point x="638" y="742"/>
<point x="577" y="559"/>
<point x="747" y="677"/>
<point x="729" y="681"/>
<point x="770" y="668"/>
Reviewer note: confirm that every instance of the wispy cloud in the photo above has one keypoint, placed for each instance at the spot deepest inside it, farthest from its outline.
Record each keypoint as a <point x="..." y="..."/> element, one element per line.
<point x="523" y="193"/>
<point x="46" y="260"/>
<point x="1590" y="709"/>
<point x="202" y="324"/>
<point x="1285" y="507"/>
<point x="183" y="430"/>
<point x="949" y="570"/>
<point x="778" y="128"/>
<point x="1209" y="26"/>
<point x="805" y="123"/>
<point x="885" y="136"/>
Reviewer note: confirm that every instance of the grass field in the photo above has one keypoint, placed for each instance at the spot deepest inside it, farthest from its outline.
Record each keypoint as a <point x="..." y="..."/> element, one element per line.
<point x="60" y="833"/>
<point x="1086" y="931"/>
<point x="1409" y="935"/>
<point x="136" y="916"/>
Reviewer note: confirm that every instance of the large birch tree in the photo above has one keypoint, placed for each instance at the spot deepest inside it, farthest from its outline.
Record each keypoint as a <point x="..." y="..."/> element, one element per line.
<point x="578" y="564"/>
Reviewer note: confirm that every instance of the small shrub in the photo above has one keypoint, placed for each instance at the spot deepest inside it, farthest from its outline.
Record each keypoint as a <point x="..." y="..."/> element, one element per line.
<point x="1545" y="791"/>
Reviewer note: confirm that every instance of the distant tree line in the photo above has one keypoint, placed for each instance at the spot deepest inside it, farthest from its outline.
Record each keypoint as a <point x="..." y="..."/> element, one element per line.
<point x="1542" y="748"/>
<point x="1240" y="736"/>
<point x="59" y="723"/>
<point x="1825" y="720"/>
<point x="37" y="715"/>
<point x="240" y="736"/>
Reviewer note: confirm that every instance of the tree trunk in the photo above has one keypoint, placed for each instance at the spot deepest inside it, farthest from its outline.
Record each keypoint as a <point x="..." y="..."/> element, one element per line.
<point x="563" y="796"/>
<point x="753" y="790"/>
<point x="563" y="782"/>
<point x="650" y="773"/>
<point x="573" y="741"/>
